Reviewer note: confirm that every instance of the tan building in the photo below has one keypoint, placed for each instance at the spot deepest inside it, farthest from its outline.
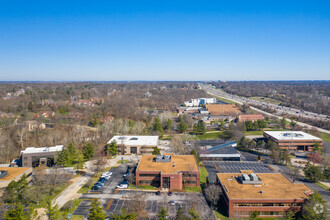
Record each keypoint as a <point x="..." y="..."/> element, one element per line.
<point x="225" y="109"/>
<point x="271" y="194"/>
<point x="8" y="174"/>
<point x="293" y="140"/>
<point x="255" y="117"/>
<point x="135" y="144"/>
<point x="168" y="171"/>
<point x="33" y="157"/>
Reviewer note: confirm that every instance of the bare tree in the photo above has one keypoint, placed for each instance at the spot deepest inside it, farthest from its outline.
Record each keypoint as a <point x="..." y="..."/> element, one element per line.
<point x="212" y="195"/>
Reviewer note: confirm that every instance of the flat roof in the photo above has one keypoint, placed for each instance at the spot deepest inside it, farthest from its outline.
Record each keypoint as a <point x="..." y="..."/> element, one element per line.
<point x="31" y="150"/>
<point x="181" y="162"/>
<point x="274" y="186"/>
<point x="291" y="135"/>
<point x="135" y="140"/>
<point x="222" y="109"/>
<point x="13" y="172"/>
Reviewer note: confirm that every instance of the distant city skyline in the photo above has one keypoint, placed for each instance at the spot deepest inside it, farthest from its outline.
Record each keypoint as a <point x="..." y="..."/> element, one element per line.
<point x="164" y="40"/>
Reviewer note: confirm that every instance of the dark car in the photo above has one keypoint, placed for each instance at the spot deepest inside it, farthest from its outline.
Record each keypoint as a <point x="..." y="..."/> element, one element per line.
<point x="158" y="193"/>
<point x="96" y="187"/>
<point x="170" y="193"/>
<point x="102" y="180"/>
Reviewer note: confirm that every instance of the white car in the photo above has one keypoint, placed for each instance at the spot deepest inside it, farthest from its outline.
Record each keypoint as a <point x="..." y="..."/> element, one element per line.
<point x="122" y="186"/>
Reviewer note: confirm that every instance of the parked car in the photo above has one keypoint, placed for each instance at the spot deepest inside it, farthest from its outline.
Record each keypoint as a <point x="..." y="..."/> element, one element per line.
<point x="96" y="187"/>
<point x="172" y="202"/>
<point x="158" y="193"/>
<point x="99" y="183"/>
<point x="126" y="174"/>
<point x="106" y="174"/>
<point x="170" y="193"/>
<point x="102" y="180"/>
<point x="122" y="186"/>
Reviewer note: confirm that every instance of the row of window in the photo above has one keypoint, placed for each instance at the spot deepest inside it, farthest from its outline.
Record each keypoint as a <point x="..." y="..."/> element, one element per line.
<point x="148" y="175"/>
<point x="259" y="213"/>
<point x="148" y="182"/>
<point x="264" y="204"/>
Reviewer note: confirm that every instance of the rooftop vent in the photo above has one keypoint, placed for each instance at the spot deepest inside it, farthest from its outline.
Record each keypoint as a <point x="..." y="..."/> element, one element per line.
<point x="161" y="158"/>
<point x="250" y="179"/>
<point x="261" y="191"/>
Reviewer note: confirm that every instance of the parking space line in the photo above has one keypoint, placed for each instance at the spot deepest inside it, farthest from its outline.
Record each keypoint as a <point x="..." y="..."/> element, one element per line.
<point x="109" y="205"/>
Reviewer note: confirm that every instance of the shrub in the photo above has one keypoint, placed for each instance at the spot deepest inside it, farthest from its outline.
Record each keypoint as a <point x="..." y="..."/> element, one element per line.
<point x="67" y="206"/>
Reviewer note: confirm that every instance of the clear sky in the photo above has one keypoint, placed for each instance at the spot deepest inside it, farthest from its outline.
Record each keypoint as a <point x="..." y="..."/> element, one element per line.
<point x="164" y="40"/>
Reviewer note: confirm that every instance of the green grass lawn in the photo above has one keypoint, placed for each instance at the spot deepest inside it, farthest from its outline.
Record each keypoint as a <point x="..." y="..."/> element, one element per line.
<point x="323" y="186"/>
<point x="208" y="136"/>
<point x="132" y="186"/>
<point x="266" y="99"/>
<point x="253" y="132"/>
<point x="122" y="161"/>
<point x="43" y="196"/>
<point x="324" y="136"/>
<point x="203" y="174"/>
<point x="64" y="213"/>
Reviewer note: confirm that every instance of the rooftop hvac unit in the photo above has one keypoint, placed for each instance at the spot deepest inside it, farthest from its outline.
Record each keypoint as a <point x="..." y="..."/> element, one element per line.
<point x="254" y="177"/>
<point x="246" y="177"/>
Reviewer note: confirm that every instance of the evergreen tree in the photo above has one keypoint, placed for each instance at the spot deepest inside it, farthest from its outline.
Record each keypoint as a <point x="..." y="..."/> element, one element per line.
<point x="314" y="208"/>
<point x="182" y="127"/>
<point x="125" y="215"/>
<point x="157" y="126"/>
<point x="16" y="212"/>
<point x="96" y="211"/>
<point x="88" y="151"/>
<point x="262" y="124"/>
<point x="52" y="210"/>
<point x="112" y="148"/>
<point x="283" y="123"/>
<point x="168" y="124"/>
<point x="62" y="157"/>
<point x="180" y="214"/>
<point x="194" y="214"/>
<point x="193" y="152"/>
<point x="72" y="154"/>
<point x="313" y="173"/>
<point x="16" y="191"/>
<point x="162" y="214"/>
<point x="156" y="151"/>
<point x="199" y="128"/>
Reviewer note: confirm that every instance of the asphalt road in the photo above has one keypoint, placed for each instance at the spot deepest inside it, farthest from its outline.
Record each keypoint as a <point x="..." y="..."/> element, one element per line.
<point x="279" y="109"/>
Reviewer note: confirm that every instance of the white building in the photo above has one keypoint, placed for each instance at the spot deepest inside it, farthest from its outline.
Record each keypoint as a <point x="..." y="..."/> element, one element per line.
<point x="200" y="101"/>
<point x="135" y="144"/>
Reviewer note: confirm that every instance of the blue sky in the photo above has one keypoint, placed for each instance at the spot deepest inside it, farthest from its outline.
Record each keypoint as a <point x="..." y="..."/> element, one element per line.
<point x="164" y="40"/>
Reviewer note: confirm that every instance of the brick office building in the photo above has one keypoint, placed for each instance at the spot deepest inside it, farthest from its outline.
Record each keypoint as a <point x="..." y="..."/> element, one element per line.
<point x="293" y="140"/>
<point x="168" y="171"/>
<point x="271" y="194"/>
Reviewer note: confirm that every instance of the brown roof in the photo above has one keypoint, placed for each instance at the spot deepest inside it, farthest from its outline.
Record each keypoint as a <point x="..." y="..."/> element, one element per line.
<point x="274" y="186"/>
<point x="13" y="172"/>
<point x="227" y="109"/>
<point x="181" y="162"/>
<point x="251" y="117"/>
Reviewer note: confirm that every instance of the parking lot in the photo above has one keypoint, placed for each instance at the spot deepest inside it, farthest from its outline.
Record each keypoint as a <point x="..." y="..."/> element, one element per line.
<point x="234" y="167"/>
<point x="153" y="203"/>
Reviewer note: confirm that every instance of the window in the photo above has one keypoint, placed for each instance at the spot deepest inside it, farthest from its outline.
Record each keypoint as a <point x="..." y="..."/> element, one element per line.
<point x="145" y="182"/>
<point x="189" y="175"/>
<point x="189" y="182"/>
<point x="25" y="158"/>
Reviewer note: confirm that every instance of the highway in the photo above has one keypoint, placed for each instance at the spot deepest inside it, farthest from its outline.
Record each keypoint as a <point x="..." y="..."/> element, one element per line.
<point x="280" y="110"/>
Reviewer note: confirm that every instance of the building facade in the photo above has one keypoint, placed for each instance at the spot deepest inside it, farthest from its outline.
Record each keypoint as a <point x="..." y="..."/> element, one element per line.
<point x="200" y="101"/>
<point x="293" y="140"/>
<point x="33" y="157"/>
<point x="168" y="171"/>
<point x="253" y="118"/>
<point x="271" y="194"/>
<point x="128" y="145"/>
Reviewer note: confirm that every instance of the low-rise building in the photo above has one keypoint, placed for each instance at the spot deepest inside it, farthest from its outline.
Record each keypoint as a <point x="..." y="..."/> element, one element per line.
<point x="225" y="109"/>
<point x="271" y="194"/>
<point x="253" y="118"/>
<point x="8" y="174"/>
<point x="293" y="140"/>
<point x="34" y="157"/>
<point x="135" y="144"/>
<point x="168" y="171"/>
<point x="200" y="101"/>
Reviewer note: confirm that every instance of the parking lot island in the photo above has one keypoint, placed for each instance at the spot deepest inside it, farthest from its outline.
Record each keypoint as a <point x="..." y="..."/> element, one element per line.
<point x="168" y="171"/>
